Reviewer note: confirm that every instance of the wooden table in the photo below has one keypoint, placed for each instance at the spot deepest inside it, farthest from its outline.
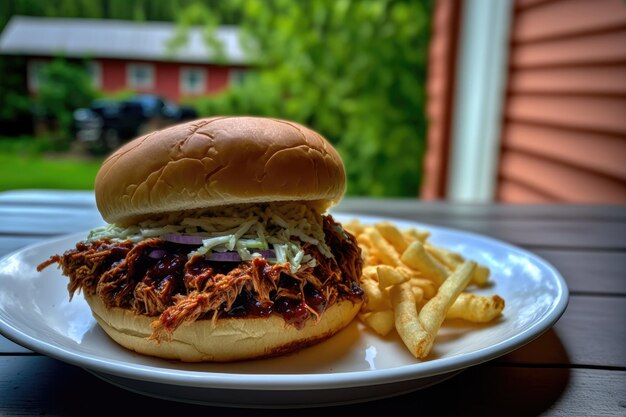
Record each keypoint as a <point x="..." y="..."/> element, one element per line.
<point x="577" y="368"/>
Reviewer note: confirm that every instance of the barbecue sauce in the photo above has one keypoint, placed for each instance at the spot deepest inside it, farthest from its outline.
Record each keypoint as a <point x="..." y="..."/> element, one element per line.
<point x="165" y="269"/>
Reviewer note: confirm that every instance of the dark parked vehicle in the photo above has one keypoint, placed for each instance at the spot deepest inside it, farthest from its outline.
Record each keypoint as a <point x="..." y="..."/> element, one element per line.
<point x="108" y="123"/>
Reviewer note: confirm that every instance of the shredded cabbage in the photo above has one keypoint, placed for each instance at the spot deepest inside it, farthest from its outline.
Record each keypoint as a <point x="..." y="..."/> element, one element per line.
<point x="283" y="227"/>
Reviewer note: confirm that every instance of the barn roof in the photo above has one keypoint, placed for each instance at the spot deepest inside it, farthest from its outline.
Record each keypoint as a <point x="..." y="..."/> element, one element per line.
<point x="97" y="38"/>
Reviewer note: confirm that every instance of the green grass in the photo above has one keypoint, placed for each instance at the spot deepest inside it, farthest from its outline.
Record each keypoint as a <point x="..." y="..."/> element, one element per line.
<point x="22" y="165"/>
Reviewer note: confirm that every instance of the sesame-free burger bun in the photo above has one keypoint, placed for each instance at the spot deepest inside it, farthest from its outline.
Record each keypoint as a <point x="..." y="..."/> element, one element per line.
<point x="215" y="162"/>
<point x="228" y="339"/>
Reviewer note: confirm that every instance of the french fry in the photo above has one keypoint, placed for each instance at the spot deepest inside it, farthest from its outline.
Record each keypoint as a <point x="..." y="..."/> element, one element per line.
<point x="434" y="311"/>
<point x="376" y="299"/>
<point x="452" y="259"/>
<point x="414" y="286"/>
<point x="388" y="276"/>
<point x="418" y="293"/>
<point x="364" y="240"/>
<point x="406" y="317"/>
<point x="365" y="251"/>
<point x="369" y="271"/>
<point x="408" y="272"/>
<point x="416" y="257"/>
<point x="418" y="331"/>
<point x="366" y="247"/>
<point x="372" y="260"/>
<point x="449" y="258"/>
<point x="393" y="235"/>
<point x="480" y="276"/>
<point x="412" y="235"/>
<point x="381" y="322"/>
<point x="354" y="226"/>
<point x="382" y="249"/>
<point x="476" y="308"/>
<point x="427" y="286"/>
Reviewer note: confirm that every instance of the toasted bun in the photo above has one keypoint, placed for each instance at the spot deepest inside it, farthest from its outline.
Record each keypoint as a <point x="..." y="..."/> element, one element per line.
<point x="215" y="162"/>
<point x="224" y="341"/>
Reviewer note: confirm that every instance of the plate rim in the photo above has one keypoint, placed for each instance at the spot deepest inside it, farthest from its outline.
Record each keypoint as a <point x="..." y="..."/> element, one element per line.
<point x="276" y="382"/>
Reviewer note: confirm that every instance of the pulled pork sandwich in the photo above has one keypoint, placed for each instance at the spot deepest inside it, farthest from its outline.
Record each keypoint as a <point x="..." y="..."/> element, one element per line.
<point x="217" y="247"/>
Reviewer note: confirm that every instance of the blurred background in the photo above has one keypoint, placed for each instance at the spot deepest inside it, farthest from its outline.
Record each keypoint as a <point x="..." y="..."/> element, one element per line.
<point x="512" y="101"/>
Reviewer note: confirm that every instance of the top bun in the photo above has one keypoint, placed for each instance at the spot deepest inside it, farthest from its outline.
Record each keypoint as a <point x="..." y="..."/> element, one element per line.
<point x="215" y="162"/>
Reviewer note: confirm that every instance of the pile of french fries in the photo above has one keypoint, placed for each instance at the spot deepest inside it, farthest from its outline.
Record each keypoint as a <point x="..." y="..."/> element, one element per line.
<point x="413" y="286"/>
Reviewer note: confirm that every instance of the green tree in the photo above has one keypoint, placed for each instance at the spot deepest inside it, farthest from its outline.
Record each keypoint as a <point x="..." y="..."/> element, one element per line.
<point x="63" y="87"/>
<point x="15" y="104"/>
<point x="353" y="70"/>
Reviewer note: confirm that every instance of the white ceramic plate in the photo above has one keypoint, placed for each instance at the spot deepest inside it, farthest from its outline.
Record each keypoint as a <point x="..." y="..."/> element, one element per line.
<point x="355" y="365"/>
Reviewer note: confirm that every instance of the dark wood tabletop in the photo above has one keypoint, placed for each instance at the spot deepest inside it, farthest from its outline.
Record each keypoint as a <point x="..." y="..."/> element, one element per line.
<point x="576" y="368"/>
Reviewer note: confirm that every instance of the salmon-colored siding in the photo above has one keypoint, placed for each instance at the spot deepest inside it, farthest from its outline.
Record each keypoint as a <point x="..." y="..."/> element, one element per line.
<point x="565" y="18"/>
<point x="607" y="80"/>
<point x="564" y="128"/>
<point x="440" y="88"/>
<point x="563" y="134"/>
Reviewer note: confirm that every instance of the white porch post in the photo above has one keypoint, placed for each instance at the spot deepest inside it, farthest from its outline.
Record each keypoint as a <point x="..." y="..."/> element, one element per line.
<point x="479" y="96"/>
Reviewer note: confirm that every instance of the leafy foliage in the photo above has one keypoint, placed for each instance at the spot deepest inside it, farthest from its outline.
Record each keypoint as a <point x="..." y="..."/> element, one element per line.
<point x="353" y="70"/>
<point x="64" y="87"/>
<point x="15" y="104"/>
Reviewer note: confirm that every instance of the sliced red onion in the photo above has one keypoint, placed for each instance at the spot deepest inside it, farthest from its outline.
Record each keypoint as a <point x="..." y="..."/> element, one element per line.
<point x="266" y="254"/>
<point x="184" y="239"/>
<point x="229" y="256"/>
<point x="233" y="256"/>
<point x="157" y="254"/>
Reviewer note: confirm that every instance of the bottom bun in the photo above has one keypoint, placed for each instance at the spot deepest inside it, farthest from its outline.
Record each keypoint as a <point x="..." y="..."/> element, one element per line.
<point x="226" y="340"/>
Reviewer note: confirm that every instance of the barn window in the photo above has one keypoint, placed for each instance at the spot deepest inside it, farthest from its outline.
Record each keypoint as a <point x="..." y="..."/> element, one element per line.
<point x="193" y="80"/>
<point x="140" y="76"/>
<point x="94" y="69"/>
<point x="35" y="67"/>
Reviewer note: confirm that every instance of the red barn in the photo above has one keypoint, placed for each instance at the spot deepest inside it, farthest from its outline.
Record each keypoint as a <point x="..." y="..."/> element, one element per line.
<point x="127" y="55"/>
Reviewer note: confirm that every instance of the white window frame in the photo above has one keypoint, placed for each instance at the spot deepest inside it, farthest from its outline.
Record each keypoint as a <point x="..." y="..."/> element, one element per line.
<point x="33" y="67"/>
<point x="131" y="81"/>
<point x="479" y="97"/>
<point x="94" y="69"/>
<point x="202" y="86"/>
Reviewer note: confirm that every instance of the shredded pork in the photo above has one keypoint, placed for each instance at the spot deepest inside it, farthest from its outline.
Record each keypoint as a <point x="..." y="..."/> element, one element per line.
<point x="176" y="289"/>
